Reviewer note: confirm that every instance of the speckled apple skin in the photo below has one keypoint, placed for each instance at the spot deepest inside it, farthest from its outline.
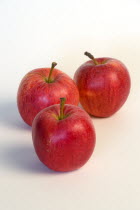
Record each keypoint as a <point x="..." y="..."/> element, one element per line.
<point x="63" y="145"/>
<point x="103" y="88"/>
<point x="35" y="94"/>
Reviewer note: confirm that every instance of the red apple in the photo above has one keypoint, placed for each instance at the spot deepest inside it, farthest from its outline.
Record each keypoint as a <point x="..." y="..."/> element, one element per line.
<point x="63" y="136"/>
<point x="43" y="87"/>
<point x="104" y="85"/>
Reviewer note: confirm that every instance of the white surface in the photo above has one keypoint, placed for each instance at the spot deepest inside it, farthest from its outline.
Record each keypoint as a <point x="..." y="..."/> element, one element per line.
<point x="35" y="33"/>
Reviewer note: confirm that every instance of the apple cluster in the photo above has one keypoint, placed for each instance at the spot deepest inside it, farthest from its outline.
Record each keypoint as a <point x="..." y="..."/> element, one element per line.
<point x="63" y="133"/>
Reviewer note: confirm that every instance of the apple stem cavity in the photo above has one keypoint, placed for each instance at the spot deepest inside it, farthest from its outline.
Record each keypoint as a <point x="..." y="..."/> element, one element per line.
<point x="91" y="57"/>
<point x="51" y="70"/>
<point x="62" y="103"/>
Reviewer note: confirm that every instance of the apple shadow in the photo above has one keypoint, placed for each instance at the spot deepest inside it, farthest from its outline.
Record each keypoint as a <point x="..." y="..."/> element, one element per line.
<point x="22" y="158"/>
<point x="9" y="116"/>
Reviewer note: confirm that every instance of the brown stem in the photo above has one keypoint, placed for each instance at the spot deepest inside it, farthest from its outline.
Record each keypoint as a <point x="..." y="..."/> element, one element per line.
<point x="62" y="103"/>
<point x="91" y="57"/>
<point x="51" y="70"/>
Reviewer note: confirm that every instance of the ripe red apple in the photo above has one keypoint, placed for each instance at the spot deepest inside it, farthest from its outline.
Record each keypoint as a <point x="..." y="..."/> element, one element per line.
<point x="43" y="87"/>
<point x="63" y="136"/>
<point x="104" y="85"/>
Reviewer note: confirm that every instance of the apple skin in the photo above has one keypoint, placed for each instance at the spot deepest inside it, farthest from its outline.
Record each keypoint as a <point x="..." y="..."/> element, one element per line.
<point x="63" y="145"/>
<point x="35" y="94"/>
<point x="103" y="88"/>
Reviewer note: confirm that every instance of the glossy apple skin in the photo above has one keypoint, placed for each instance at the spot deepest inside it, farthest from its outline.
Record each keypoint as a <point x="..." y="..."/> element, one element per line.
<point x="103" y="88"/>
<point x="35" y="94"/>
<point x="63" y="145"/>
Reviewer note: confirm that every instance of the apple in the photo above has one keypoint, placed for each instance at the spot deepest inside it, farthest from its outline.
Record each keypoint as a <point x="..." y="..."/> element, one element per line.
<point x="63" y="136"/>
<point x="43" y="87"/>
<point x="104" y="85"/>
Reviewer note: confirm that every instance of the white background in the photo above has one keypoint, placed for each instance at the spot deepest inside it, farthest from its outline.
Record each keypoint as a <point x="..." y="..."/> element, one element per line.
<point x="35" y="33"/>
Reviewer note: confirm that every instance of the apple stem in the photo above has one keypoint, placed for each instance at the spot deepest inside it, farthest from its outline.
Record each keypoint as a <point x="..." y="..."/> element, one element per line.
<point x="91" y="57"/>
<point x="62" y="103"/>
<point x="51" y="70"/>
